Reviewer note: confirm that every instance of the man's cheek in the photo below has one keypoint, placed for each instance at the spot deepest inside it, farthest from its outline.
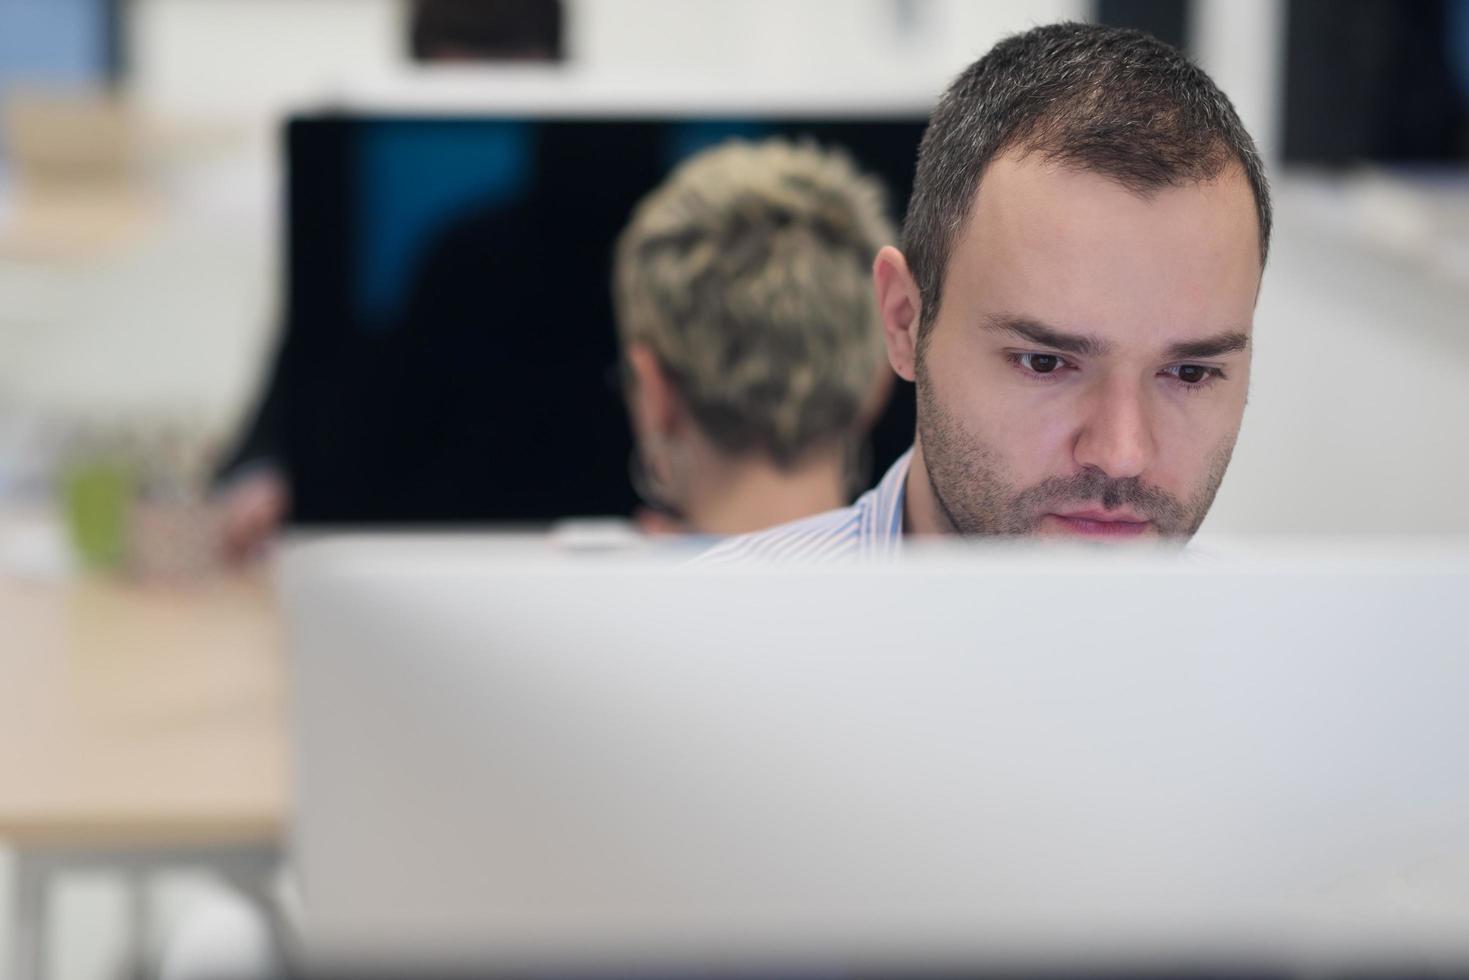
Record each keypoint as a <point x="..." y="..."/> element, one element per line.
<point x="1182" y="468"/>
<point x="1038" y="439"/>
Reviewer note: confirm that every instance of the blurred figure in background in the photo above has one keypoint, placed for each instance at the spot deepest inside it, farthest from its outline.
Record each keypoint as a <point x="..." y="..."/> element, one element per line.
<point x="751" y="342"/>
<point x="254" y="488"/>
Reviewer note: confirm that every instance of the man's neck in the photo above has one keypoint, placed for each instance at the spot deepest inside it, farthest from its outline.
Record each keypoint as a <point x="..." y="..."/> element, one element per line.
<point x="736" y="496"/>
<point x="921" y="511"/>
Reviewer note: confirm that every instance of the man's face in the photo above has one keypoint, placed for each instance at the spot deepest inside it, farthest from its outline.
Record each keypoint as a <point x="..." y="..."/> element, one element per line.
<point x="1087" y="370"/>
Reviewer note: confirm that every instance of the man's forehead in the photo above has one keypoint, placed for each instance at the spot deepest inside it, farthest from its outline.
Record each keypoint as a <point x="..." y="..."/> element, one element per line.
<point x="1068" y="247"/>
<point x="1034" y="197"/>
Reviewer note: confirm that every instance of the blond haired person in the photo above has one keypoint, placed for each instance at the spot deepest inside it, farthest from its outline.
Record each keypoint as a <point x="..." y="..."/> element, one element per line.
<point x="755" y="361"/>
<point x="750" y="337"/>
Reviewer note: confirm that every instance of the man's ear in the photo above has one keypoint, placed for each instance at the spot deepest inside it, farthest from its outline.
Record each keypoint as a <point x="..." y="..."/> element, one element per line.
<point x="653" y="402"/>
<point x="900" y="307"/>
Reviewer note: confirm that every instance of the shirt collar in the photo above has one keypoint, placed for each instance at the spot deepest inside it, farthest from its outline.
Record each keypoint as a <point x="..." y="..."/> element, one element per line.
<point x="883" y="511"/>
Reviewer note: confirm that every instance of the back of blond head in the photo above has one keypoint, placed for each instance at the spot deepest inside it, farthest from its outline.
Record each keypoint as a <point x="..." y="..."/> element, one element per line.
<point x="747" y="273"/>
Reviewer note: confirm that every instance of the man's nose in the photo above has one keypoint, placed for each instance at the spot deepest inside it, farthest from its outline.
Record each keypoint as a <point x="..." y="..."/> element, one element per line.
<point x="1116" y="435"/>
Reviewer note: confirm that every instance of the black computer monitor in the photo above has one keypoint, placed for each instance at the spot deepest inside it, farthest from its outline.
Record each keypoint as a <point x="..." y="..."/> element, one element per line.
<point x="449" y="351"/>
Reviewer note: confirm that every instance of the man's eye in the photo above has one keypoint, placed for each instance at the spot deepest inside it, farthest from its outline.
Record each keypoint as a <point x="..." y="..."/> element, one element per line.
<point x="1194" y="375"/>
<point x="1040" y="363"/>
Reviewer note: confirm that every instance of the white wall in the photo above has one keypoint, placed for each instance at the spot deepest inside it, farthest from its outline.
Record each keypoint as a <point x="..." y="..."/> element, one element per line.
<point x="916" y="43"/>
<point x="252" y="56"/>
<point x="1241" y="44"/>
<point x="1358" y="418"/>
<point x="257" y="55"/>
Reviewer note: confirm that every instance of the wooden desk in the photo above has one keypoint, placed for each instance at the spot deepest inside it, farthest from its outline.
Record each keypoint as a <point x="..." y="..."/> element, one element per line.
<point x="138" y="725"/>
<point x="140" y="715"/>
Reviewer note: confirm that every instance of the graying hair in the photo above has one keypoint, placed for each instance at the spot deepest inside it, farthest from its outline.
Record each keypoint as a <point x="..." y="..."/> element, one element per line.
<point x="1107" y="100"/>
<point x="747" y="272"/>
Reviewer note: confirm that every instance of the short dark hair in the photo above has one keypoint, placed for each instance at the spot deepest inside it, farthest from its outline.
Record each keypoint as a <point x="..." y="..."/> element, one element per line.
<point x="1108" y="100"/>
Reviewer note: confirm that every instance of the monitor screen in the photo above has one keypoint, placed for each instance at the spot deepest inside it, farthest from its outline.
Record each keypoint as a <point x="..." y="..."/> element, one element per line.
<point x="450" y="352"/>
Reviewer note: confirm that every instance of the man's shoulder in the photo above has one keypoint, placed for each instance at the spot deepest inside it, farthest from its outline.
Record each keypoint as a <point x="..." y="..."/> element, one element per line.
<point x="833" y="535"/>
<point x="869" y="528"/>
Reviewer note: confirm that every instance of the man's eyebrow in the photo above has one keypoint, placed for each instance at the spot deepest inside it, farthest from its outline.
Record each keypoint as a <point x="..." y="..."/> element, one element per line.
<point x="1224" y="343"/>
<point x="1048" y="336"/>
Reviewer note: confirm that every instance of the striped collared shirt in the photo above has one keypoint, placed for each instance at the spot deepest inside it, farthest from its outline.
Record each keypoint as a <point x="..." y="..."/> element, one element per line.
<point x="871" y="528"/>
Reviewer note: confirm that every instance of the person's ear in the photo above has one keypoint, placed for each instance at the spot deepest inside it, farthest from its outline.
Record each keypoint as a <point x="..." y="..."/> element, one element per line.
<point x="899" y="305"/>
<point x="653" y="402"/>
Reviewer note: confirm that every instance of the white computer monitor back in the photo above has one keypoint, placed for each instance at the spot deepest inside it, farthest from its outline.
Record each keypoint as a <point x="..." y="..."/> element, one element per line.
<point x="514" y="760"/>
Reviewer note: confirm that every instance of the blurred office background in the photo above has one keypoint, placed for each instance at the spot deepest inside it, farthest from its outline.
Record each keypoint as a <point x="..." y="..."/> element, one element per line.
<point x="141" y="189"/>
<point x="142" y="227"/>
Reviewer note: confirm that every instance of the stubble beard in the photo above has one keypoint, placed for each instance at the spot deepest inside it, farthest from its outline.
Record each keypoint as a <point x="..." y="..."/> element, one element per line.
<point x="974" y="497"/>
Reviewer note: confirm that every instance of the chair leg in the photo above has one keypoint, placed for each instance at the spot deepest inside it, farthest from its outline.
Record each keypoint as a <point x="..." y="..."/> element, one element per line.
<point x="30" y="934"/>
<point x="136" y="961"/>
